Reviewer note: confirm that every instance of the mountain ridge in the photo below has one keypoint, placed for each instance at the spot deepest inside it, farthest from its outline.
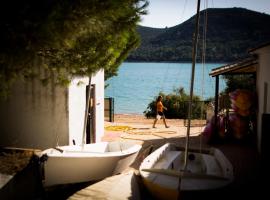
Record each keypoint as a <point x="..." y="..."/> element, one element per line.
<point x="230" y="32"/>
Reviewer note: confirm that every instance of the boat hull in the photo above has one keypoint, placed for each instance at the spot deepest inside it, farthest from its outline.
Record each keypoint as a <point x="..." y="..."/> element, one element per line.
<point x="163" y="176"/>
<point x="72" y="164"/>
<point x="160" y="192"/>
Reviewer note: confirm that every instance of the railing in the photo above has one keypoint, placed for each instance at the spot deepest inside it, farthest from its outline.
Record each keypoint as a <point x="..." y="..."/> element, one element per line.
<point x="200" y="110"/>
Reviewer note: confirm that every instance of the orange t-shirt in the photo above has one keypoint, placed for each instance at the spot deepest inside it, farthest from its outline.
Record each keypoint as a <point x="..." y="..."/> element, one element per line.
<point x="159" y="106"/>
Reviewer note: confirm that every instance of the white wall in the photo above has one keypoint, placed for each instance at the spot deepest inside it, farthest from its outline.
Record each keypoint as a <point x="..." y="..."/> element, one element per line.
<point x="34" y="116"/>
<point x="42" y="117"/>
<point x="263" y="76"/>
<point x="77" y="102"/>
<point x="76" y="108"/>
<point x="98" y="79"/>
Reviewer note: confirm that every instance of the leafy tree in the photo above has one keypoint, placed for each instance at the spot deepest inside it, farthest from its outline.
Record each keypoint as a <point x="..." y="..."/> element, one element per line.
<point x="65" y="38"/>
<point x="177" y="104"/>
<point x="240" y="81"/>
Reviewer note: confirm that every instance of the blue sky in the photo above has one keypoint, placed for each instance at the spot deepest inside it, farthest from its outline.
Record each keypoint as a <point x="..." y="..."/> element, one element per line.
<point x="162" y="13"/>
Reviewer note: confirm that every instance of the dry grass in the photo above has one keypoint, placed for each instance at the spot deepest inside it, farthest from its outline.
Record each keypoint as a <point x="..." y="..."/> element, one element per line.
<point x="13" y="161"/>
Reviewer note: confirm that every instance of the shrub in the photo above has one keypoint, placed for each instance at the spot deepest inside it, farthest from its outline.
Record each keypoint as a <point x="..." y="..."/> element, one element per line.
<point x="177" y="105"/>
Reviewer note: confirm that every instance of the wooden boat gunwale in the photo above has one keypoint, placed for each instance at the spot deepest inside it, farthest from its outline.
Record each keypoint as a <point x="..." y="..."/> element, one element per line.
<point x="77" y="151"/>
<point x="150" y="173"/>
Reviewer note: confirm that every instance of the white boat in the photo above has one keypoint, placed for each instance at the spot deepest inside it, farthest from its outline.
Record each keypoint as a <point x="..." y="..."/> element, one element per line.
<point x="86" y="162"/>
<point x="73" y="164"/>
<point x="164" y="175"/>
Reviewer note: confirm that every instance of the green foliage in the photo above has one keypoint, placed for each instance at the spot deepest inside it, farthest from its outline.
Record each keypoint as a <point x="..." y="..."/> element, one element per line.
<point x="65" y="38"/>
<point x="241" y="81"/>
<point x="230" y="32"/>
<point x="177" y="105"/>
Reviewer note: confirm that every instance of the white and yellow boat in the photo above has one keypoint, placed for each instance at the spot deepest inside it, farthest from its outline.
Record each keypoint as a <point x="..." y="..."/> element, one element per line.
<point x="163" y="174"/>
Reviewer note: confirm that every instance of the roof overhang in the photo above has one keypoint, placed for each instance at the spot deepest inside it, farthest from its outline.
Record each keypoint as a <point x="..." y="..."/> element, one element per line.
<point x="253" y="50"/>
<point x="246" y="66"/>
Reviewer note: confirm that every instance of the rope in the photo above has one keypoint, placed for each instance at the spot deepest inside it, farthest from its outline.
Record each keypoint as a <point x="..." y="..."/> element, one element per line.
<point x="203" y="61"/>
<point x="167" y="68"/>
<point x="118" y="128"/>
<point x="183" y="12"/>
<point x="204" y="48"/>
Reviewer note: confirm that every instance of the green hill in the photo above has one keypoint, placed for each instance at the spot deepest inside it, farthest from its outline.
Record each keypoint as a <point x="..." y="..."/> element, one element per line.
<point x="230" y="32"/>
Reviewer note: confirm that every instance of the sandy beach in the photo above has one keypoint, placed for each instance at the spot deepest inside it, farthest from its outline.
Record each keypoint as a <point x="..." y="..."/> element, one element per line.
<point x="138" y="127"/>
<point x="136" y="119"/>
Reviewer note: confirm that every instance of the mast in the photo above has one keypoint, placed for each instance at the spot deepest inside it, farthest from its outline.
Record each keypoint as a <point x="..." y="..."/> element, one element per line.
<point x="194" y="52"/>
<point x="86" y="111"/>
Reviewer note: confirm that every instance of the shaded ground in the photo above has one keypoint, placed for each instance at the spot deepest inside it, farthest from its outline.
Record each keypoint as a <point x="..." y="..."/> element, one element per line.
<point x="249" y="175"/>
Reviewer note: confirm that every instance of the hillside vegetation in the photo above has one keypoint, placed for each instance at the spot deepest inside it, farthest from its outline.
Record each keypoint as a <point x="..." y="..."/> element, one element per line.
<point x="230" y="32"/>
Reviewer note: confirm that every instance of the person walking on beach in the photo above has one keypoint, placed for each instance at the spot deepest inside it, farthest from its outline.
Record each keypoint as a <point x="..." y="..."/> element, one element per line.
<point x="160" y="114"/>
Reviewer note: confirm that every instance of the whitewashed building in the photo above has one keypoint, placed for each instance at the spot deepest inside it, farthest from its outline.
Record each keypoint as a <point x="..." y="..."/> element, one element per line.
<point x="259" y="65"/>
<point x="37" y="116"/>
<point x="263" y="91"/>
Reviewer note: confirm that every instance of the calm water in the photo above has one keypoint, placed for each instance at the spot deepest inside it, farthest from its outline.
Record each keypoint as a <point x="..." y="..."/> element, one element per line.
<point x="138" y="83"/>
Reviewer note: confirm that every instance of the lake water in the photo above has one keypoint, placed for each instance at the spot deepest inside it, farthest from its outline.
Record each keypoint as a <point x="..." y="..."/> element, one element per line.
<point x="137" y="84"/>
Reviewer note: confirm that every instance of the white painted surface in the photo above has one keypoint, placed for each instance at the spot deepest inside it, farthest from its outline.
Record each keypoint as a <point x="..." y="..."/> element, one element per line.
<point x="77" y="102"/>
<point x="98" y="79"/>
<point x="204" y="172"/>
<point x="37" y="116"/>
<point x="93" y="162"/>
<point x="263" y="76"/>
